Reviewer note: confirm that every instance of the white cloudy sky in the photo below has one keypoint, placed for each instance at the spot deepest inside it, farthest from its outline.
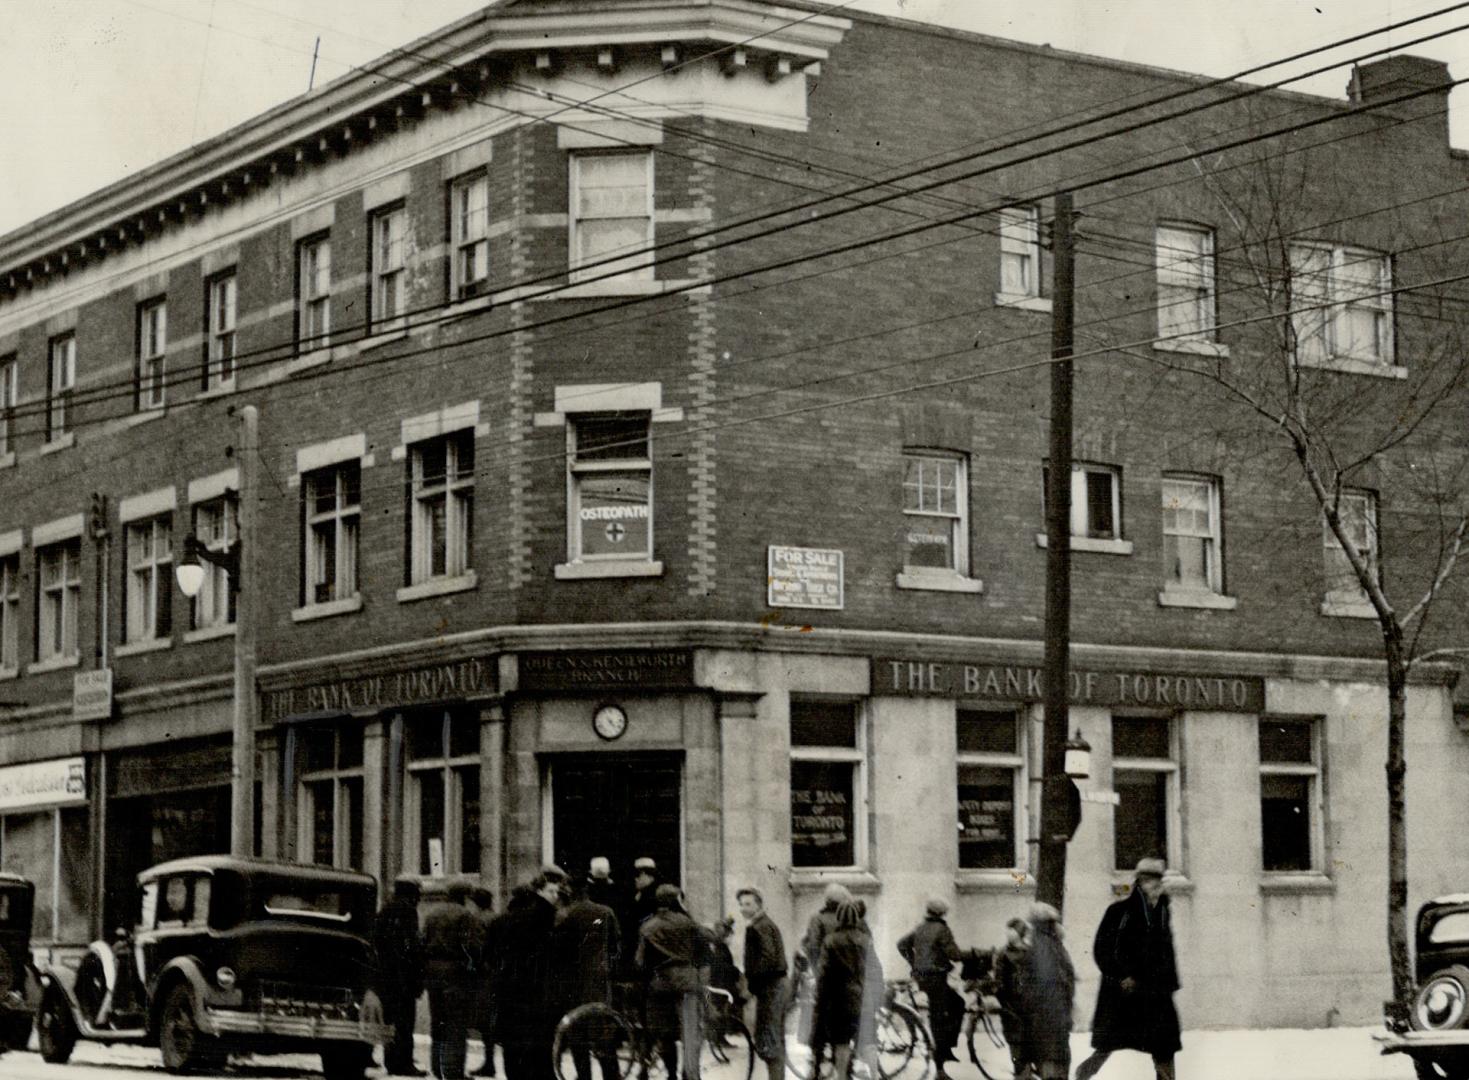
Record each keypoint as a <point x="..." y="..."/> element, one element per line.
<point x="95" y="89"/>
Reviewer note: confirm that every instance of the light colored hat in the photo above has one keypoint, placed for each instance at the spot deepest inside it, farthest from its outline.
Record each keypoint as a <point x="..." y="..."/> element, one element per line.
<point x="1149" y="868"/>
<point x="937" y="907"/>
<point x="644" y="863"/>
<point x="835" y="893"/>
<point x="600" y="867"/>
<point x="1043" y="913"/>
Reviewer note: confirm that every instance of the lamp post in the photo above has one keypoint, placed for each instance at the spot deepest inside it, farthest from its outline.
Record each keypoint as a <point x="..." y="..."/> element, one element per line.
<point x="239" y="561"/>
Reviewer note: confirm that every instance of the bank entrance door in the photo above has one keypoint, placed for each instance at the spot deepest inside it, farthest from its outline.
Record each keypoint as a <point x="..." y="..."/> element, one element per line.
<point x="619" y="805"/>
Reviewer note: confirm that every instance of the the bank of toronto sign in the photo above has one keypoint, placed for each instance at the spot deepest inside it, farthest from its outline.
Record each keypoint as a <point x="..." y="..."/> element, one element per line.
<point x="1018" y="682"/>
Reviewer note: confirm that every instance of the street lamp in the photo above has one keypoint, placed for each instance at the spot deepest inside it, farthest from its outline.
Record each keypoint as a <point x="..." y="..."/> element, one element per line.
<point x="1078" y="757"/>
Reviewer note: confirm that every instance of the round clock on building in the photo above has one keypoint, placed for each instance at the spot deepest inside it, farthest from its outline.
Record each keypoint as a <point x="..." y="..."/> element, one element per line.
<point x="609" y="721"/>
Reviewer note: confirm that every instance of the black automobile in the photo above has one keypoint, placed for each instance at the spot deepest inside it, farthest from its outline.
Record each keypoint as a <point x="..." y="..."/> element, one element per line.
<point x="229" y="955"/>
<point x="1435" y="1033"/>
<point x="20" y="987"/>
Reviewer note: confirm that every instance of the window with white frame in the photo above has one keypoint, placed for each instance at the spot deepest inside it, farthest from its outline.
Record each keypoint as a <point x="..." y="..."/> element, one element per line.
<point x="443" y="811"/>
<point x="828" y="784"/>
<point x="314" y="298"/>
<point x="58" y="599"/>
<point x="1357" y="510"/>
<point x="1185" y="259"/>
<point x="1145" y="778"/>
<point x="330" y="796"/>
<point x="442" y="479"/>
<point x="1192" y="547"/>
<point x="991" y="788"/>
<point x="1291" y="826"/>
<point x="333" y="497"/>
<point x="935" y="512"/>
<point x="61" y="381"/>
<point x="10" y="612"/>
<point x="152" y="343"/>
<point x="1342" y="306"/>
<point x="1020" y="252"/>
<point x="1096" y="500"/>
<point x="220" y="314"/>
<point x="389" y="274"/>
<point x="610" y="486"/>
<point x="469" y="223"/>
<point x="216" y="525"/>
<point x="148" y="586"/>
<point x="612" y="214"/>
<point x="9" y="394"/>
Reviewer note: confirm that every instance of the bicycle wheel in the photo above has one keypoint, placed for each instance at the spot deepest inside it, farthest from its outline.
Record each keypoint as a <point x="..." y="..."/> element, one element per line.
<point x="988" y="1049"/>
<point x="728" y="1052"/>
<point x="904" y="1047"/>
<point x="798" y="1020"/>
<point x="593" y="1042"/>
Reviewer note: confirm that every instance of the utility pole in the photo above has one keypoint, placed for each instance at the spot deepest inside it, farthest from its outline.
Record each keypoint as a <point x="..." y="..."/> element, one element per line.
<point x="1057" y="814"/>
<point x="242" y="764"/>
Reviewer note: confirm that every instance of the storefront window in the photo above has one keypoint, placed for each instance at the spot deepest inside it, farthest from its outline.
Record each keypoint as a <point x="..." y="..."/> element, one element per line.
<point x="991" y="788"/>
<point x="50" y="849"/>
<point x="443" y="794"/>
<point x="1145" y="778"/>
<point x="1290" y="798"/>
<point x="331" y="796"/>
<point x="827" y="784"/>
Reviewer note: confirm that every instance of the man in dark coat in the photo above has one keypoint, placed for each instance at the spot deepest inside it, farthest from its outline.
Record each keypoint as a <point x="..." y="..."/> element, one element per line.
<point x="398" y="945"/>
<point x="452" y="942"/>
<point x="932" y="952"/>
<point x="1134" y="950"/>
<point x="1047" y="991"/>
<point x="525" y="981"/>
<point x="765" y="975"/>
<point x="585" y="950"/>
<point x="672" y="949"/>
<point x="601" y="889"/>
<point x="640" y="904"/>
<point x="1011" y="961"/>
<point x="484" y="997"/>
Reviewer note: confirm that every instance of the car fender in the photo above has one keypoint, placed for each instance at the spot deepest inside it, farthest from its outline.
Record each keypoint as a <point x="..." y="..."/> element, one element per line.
<point x="187" y="970"/>
<point x="60" y="980"/>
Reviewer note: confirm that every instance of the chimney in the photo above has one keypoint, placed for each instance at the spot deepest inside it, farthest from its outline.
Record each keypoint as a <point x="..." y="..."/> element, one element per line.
<point x="1394" y="76"/>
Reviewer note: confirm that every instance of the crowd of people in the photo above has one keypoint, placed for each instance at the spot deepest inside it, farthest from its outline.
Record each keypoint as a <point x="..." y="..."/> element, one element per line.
<point x="562" y="942"/>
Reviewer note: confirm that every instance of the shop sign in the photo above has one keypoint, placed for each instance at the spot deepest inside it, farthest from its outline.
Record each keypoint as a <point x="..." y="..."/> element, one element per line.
<point x="804" y="578"/>
<point x="373" y="693"/>
<point x="43" y="783"/>
<point x="1015" y="682"/>
<point x="584" y="670"/>
<point x="91" y="695"/>
<point x="823" y="829"/>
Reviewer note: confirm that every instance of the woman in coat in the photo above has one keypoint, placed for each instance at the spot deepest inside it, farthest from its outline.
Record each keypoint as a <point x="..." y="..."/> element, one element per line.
<point x="849" y="988"/>
<point x="1046" y="995"/>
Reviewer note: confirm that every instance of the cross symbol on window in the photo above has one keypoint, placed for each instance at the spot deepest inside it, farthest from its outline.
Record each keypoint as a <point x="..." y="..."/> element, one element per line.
<point x="615" y="531"/>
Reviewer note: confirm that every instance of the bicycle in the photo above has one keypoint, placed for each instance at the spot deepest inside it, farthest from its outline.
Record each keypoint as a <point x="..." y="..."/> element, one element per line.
<point x="593" y="1039"/>
<point x="902" y="1038"/>
<point x="981" y="1030"/>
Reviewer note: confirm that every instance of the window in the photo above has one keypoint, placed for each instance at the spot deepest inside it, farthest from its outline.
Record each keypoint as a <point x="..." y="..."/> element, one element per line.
<point x="61" y="380"/>
<point x="389" y="277"/>
<point x="1185" y="257"/>
<point x="149" y="582"/>
<point x="936" y="513"/>
<point x="1020" y="252"/>
<point x="59" y="593"/>
<point x="610" y="479"/>
<point x="314" y="298"/>
<point x="1145" y="778"/>
<point x="219" y="368"/>
<point x="330" y="819"/>
<point x="442" y="476"/>
<point x="443" y="793"/>
<point x="827" y="784"/>
<point x="1358" y="513"/>
<point x="469" y="222"/>
<point x="216" y="525"/>
<point x="612" y="214"/>
<point x="1191" y="544"/>
<point x="991" y="776"/>
<point x="333" y="512"/>
<point x="1356" y="323"/>
<point x="1290" y="794"/>
<point x="9" y="398"/>
<point x="1096" y="501"/>
<point x="10" y="613"/>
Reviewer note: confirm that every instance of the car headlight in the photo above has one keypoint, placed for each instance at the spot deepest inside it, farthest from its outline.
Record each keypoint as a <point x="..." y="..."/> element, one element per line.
<point x="224" y="978"/>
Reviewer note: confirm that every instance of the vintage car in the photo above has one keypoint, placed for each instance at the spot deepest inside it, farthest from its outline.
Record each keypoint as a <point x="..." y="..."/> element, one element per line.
<point x="229" y="955"/>
<point x="1435" y="1032"/>
<point x="20" y="985"/>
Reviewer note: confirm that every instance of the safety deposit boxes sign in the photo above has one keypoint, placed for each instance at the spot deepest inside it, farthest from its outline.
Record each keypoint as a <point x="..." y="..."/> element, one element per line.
<point x="804" y="578"/>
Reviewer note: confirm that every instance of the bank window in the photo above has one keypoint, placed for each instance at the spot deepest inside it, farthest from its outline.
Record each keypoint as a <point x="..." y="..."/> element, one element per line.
<point x="1341" y="304"/>
<point x="1145" y="778"/>
<point x="1357" y="510"/>
<point x="991" y="788"/>
<point x="1020" y="252"/>
<point x="389" y="274"/>
<point x="1290" y="794"/>
<point x="217" y="525"/>
<point x="469" y="222"/>
<point x="330" y="821"/>
<point x="220" y="312"/>
<point x="1191" y="536"/>
<point x="58" y="597"/>
<point x="442" y="479"/>
<point x="1185" y="260"/>
<point x="314" y="293"/>
<point x="61" y="381"/>
<point x="152" y="344"/>
<point x="828" y="822"/>
<point x="935" y="513"/>
<point x="148" y="586"/>
<point x="612" y="214"/>
<point x="9" y="613"/>
<point x="9" y="398"/>
<point x="610" y="487"/>
<point x="443" y="812"/>
<point x="333" y="497"/>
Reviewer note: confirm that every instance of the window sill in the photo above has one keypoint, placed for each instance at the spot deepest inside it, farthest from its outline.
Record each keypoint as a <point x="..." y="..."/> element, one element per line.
<point x="470" y="305"/>
<point x="147" y="415"/>
<point x="327" y="610"/>
<point x="441" y="586"/>
<point x="1193" y="347"/>
<point x="308" y="360"/>
<point x="1306" y="883"/>
<point x="65" y="442"/>
<point x="56" y="663"/>
<point x="578" y="571"/>
<point x="1092" y="544"/>
<point x="7" y="673"/>
<point x="7" y="460"/>
<point x="1041" y="304"/>
<point x="1348" y="609"/>
<point x="813" y="880"/>
<point x="133" y="648"/>
<point x="1197" y="598"/>
<point x="939" y="581"/>
<point x="217" y="390"/>
<point x="994" y="881"/>
<point x="376" y="338"/>
<point x="1349" y="366"/>
<point x="597" y="290"/>
<point x="209" y="633"/>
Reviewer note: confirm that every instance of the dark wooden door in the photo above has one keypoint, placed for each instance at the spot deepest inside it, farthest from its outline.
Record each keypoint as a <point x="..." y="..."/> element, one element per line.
<point x="619" y="805"/>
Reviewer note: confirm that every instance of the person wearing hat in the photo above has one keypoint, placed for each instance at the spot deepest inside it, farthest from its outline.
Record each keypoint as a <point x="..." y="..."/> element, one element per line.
<point x="640" y="904"/>
<point x="398" y="946"/>
<point x="585" y="948"/>
<point x="525" y="981"/>
<point x="452" y="943"/>
<point x="932" y="952"/>
<point x="1009" y="969"/>
<point x="1047" y="990"/>
<point x="1134" y="950"/>
<point x="600" y="887"/>
<point x="672" y="949"/>
<point x="849" y="991"/>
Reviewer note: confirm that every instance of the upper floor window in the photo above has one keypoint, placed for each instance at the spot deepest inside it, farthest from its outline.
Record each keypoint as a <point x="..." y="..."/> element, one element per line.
<point x="314" y="299"/>
<point x="935" y="513"/>
<point x="61" y="381"/>
<point x="991" y="794"/>
<point x="1020" y="252"/>
<point x="389" y="275"/>
<point x="58" y="598"/>
<point x="443" y="506"/>
<point x="219" y="367"/>
<point x="1185" y="257"/>
<point x="469" y="216"/>
<point x="1191" y="540"/>
<point x="9" y="398"/>
<point x="333" y="512"/>
<point x="152" y="343"/>
<point x="828" y="784"/>
<point x="148" y="586"/>
<point x="610" y="487"/>
<point x="611" y="215"/>
<point x="1348" y="302"/>
<point x="1096" y="501"/>
<point x="10" y="613"/>
<point x="1357" y="510"/>
<point x="216" y="525"/>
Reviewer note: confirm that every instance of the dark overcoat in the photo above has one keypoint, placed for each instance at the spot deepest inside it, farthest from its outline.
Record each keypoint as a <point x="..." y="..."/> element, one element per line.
<point x="524" y="979"/>
<point x="849" y="987"/>
<point x="585" y="948"/>
<point x="1136" y="941"/>
<point x="1046" y="994"/>
<point x="398" y="946"/>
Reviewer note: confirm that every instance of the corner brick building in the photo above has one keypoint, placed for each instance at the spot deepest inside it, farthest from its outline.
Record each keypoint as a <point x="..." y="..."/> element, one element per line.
<point x="727" y="552"/>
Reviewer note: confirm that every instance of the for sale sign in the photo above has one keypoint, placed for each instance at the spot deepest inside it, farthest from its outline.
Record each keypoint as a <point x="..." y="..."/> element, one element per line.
<point x="804" y="578"/>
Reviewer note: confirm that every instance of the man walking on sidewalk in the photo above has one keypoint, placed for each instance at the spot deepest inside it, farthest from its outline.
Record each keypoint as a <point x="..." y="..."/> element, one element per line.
<point x="1134" y="950"/>
<point x="765" y="975"/>
<point x="932" y="952"/>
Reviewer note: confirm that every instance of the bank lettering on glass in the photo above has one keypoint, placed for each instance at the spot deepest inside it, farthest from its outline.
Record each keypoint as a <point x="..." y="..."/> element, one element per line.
<point x="1226" y="693"/>
<point x="442" y="682"/>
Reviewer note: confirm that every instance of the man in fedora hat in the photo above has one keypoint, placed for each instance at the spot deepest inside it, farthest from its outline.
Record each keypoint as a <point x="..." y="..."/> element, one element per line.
<point x="1134" y="950"/>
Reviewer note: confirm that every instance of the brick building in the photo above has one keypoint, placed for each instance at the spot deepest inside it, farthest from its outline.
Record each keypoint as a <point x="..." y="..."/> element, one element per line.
<point x="734" y="560"/>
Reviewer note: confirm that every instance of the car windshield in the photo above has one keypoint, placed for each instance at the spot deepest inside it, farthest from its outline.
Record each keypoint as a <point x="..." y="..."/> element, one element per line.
<point x="1451" y="929"/>
<point x="314" y="904"/>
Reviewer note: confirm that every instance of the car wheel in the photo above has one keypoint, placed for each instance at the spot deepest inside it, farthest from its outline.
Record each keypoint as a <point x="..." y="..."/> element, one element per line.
<point x="346" y="1061"/>
<point x="185" y="1048"/>
<point x="1442" y="1003"/>
<point x="56" y="1030"/>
